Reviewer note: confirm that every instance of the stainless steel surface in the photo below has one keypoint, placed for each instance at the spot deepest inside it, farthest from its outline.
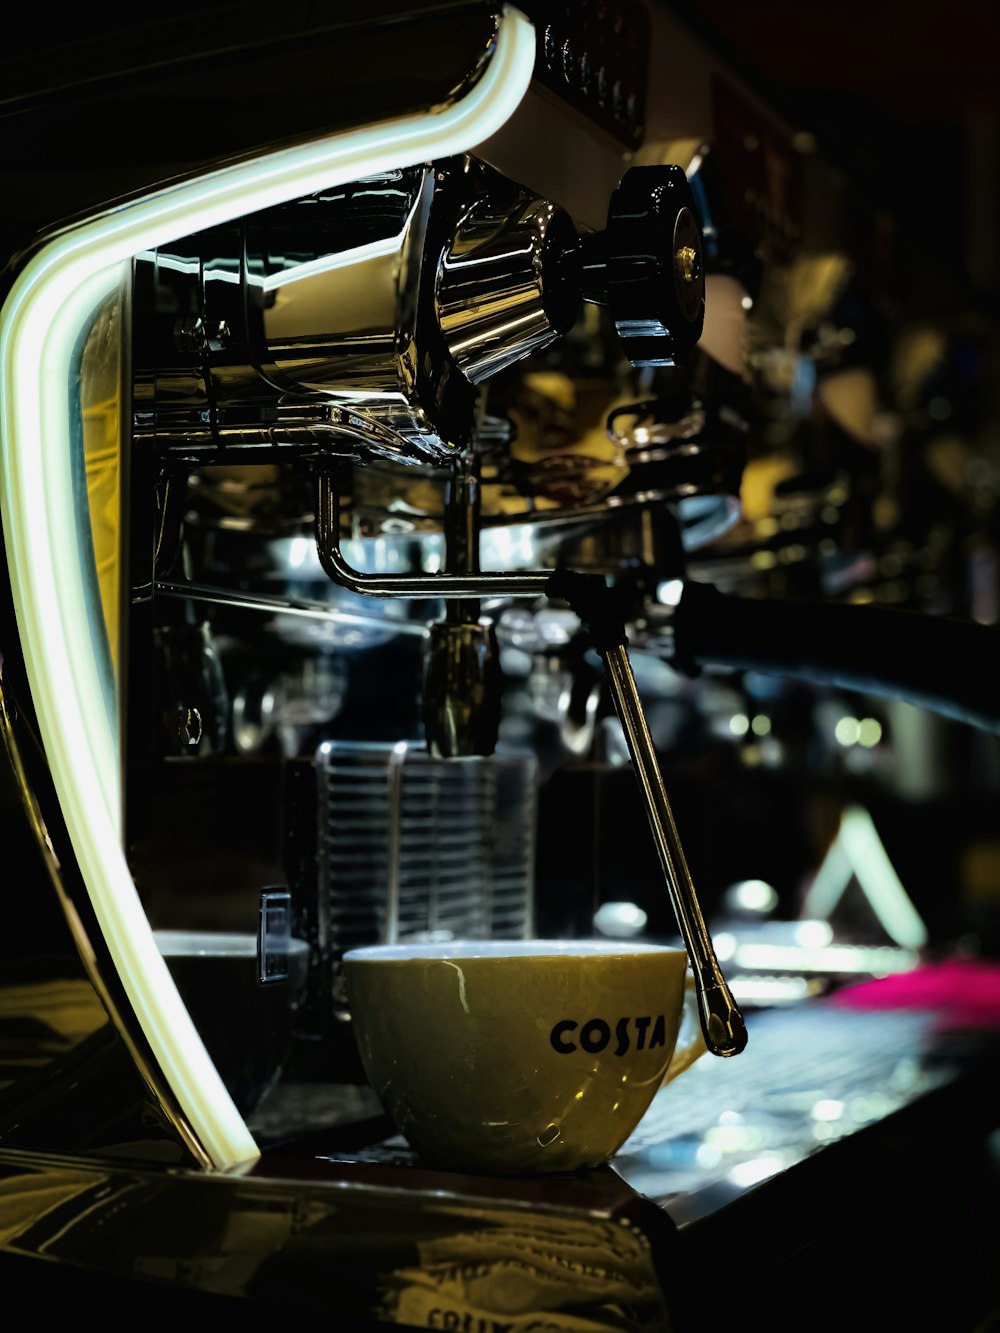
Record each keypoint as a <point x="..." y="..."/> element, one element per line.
<point x="245" y="1248"/>
<point x="518" y="583"/>
<point x="506" y="286"/>
<point x="321" y="612"/>
<point x="722" y="1023"/>
<point x="805" y="1061"/>
<point x="322" y="298"/>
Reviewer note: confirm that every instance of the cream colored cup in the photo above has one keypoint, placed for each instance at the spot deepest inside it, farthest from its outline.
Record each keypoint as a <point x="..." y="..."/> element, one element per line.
<point x="508" y="1056"/>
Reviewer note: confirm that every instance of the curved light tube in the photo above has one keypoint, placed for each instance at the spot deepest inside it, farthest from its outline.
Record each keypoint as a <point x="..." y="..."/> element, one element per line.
<point x="41" y="321"/>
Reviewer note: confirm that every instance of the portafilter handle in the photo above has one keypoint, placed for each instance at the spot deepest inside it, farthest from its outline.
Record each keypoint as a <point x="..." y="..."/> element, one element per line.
<point x="721" y="1020"/>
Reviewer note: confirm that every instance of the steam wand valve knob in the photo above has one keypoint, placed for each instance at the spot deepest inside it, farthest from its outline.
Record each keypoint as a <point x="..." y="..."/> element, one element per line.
<point x="647" y="266"/>
<point x="722" y="1024"/>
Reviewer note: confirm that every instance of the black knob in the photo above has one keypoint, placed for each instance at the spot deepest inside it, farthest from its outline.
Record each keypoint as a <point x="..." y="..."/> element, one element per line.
<point x="647" y="266"/>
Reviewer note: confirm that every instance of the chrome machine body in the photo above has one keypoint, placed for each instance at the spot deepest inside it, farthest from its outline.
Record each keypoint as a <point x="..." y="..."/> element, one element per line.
<point x="402" y="415"/>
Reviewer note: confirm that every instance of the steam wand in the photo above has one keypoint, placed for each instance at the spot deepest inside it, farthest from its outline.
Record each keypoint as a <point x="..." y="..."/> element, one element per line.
<point x="589" y="596"/>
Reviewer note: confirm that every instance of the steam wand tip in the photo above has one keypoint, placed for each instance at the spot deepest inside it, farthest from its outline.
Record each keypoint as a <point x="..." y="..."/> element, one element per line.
<point x="722" y="1023"/>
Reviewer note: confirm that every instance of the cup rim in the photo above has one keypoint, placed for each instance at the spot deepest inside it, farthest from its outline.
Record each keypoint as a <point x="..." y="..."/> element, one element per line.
<point x="448" y="950"/>
<point x="179" y="943"/>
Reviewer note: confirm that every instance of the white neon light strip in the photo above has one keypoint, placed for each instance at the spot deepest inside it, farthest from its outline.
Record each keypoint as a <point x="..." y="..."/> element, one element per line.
<point x="43" y="317"/>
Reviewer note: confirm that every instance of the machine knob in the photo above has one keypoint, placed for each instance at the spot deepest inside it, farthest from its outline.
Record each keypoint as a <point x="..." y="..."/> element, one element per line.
<point x="647" y="266"/>
<point x="511" y="280"/>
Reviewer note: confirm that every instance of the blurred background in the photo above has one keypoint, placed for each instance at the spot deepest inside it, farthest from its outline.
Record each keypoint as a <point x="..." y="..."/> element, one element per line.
<point x="906" y="102"/>
<point x="888" y="318"/>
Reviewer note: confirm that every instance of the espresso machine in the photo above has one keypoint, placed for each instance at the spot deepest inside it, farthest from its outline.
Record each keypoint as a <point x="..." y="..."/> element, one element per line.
<point x="461" y="467"/>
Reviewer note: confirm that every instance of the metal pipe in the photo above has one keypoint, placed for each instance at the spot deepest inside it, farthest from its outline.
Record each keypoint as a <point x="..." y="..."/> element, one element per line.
<point x="515" y="583"/>
<point x="721" y="1021"/>
<point x="248" y="601"/>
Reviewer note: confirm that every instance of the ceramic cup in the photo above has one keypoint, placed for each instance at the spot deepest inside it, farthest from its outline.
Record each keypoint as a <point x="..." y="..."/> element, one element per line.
<point x="246" y="1025"/>
<point x="520" y="1057"/>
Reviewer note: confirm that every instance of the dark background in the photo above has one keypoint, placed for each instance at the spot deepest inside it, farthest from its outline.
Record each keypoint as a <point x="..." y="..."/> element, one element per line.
<point x="905" y="97"/>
